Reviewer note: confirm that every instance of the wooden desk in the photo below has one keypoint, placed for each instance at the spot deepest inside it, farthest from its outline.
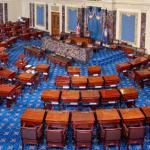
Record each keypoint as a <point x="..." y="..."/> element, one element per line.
<point x="44" y="68"/>
<point x="146" y="111"/>
<point x="3" y="44"/>
<point x="129" y="94"/>
<point x="37" y="52"/>
<point x="141" y="76"/>
<point x="57" y="59"/>
<point x="50" y="96"/>
<point x="11" y="40"/>
<point x="33" y="116"/>
<point x="110" y="96"/>
<point x="94" y="70"/>
<point x="132" y="116"/>
<point x="137" y="62"/>
<point x="108" y="116"/>
<point x="91" y="97"/>
<point x="7" y="90"/>
<point x="62" y="81"/>
<point x="26" y="77"/>
<point x="57" y="119"/>
<point x="123" y="67"/>
<point x="4" y="57"/>
<point x="96" y="82"/>
<point x="83" y="120"/>
<point x="25" y="36"/>
<point x="70" y="96"/>
<point x="7" y="74"/>
<point x="111" y="80"/>
<point x="34" y="34"/>
<point x="79" y="81"/>
<point x="20" y="64"/>
<point x="73" y="70"/>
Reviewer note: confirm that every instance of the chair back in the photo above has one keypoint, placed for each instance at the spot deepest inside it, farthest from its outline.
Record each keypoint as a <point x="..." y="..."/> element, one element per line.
<point x="136" y="132"/>
<point x="112" y="134"/>
<point x="55" y="135"/>
<point x="29" y="133"/>
<point x="83" y="136"/>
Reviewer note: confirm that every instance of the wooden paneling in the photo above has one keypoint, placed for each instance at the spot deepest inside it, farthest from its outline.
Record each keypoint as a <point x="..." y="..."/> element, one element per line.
<point x="55" y="23"/>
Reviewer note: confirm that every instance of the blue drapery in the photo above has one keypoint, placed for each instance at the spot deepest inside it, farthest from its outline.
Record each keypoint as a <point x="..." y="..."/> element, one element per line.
<point x="128" y="28"/>
<point x="95" y="25"/>
<point x="72" y="19"/>
<point x="40" y="15"/>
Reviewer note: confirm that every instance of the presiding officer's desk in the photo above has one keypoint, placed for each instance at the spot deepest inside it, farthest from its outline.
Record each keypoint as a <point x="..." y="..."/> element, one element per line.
<point x="84" y="40"/>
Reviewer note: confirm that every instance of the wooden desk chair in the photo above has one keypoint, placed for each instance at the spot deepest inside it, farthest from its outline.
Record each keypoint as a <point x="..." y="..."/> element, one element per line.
<point x="110" y="136"/>
<point x="83" y="138"/>
<point x="12" y="98"/>
<point x="62" y="81"/>
<point x="134" y="135"/>
<point x="55" y="138"/>
<point x="31" y="135"/>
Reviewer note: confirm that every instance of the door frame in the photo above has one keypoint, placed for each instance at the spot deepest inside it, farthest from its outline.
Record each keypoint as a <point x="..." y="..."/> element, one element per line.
<point x="57" y="12"/>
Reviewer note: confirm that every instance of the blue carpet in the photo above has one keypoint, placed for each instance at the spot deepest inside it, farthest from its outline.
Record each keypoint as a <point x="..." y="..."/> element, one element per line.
<point x="10" y="118"/>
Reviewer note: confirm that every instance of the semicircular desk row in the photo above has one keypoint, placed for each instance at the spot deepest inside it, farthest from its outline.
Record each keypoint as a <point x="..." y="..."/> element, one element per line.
<point x="111" y="126"/>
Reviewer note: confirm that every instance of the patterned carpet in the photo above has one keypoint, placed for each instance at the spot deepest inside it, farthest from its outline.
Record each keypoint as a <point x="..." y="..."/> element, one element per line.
<point x="10" y="118"/>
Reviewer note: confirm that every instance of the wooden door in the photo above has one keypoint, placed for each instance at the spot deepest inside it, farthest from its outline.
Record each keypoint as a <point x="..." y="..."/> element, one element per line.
<point x="55" y="23"/>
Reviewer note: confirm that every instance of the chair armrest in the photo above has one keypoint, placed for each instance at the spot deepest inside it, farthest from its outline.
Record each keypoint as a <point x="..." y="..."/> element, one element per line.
<point x="125" y="129"/>
<point x="40" y="128"/>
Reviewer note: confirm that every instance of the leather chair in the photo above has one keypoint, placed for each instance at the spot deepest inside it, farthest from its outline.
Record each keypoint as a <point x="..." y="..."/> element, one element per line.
<point x="134" y="135"/>
<point x="31" y="134"/>
<point x="55" y="138"/>
<point x="83" y="138"/>
<point x="111" y="136"/>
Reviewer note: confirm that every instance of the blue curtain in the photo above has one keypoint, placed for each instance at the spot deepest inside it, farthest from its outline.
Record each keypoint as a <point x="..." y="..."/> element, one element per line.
<point x="72" y="19"/>
<point x="95" y="26"/>
<point x="40" y="15"/>
<point x="128" y="28"/>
